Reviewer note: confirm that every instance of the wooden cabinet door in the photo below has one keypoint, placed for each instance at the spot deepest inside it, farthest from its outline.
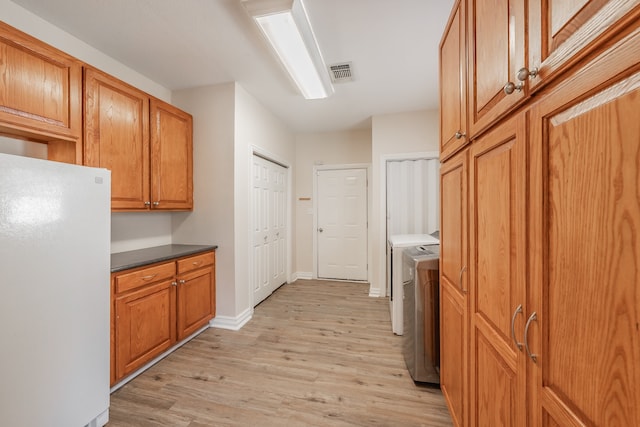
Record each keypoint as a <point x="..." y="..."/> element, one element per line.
<point x="453" y="83"/>
<point x="117" y="137"/>
<point x="40" y="93"/>
<point x="496" y="37"/>
<point x="585" y="149"/>
<point x="171" y="157"/>
<point x="196" y="300"/>
<point x="145" y="325"/>
<point x="454" y="335"/>
<point x="562" y="32"/>
<point x="497" y="176"/>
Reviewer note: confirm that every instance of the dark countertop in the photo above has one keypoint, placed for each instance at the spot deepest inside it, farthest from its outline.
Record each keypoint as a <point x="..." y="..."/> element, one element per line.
<point x="132" y="259"/>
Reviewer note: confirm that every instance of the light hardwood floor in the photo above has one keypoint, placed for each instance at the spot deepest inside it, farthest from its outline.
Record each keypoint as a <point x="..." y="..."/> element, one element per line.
<point x="316" y="353"/>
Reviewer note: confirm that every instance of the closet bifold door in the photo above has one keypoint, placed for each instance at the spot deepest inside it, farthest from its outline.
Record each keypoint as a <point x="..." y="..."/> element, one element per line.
<point x="497" y="179"/>
<point x="585" y="244"/>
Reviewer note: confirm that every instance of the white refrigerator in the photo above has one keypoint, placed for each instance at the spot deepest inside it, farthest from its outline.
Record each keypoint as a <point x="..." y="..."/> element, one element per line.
<point x="54" y="293"/>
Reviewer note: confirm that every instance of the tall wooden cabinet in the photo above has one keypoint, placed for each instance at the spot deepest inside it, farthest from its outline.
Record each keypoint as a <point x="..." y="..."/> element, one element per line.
<point x="454" y="286"/>
<point x="553" y="309"/>
<point x="497" y="285"/>
<point x="585" y="240"/>
<point x="146" y="143"/>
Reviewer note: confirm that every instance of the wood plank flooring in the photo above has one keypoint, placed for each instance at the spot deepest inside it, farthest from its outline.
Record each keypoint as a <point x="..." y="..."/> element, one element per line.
<point x="316" y="353"/>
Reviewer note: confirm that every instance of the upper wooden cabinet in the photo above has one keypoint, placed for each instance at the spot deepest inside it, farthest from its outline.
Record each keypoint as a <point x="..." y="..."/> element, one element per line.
<point x="146" y="143"/>
<point x="453" y="83"/>
<point x="171" y="157"/>
<point x="496" y="40"/>
<point x="116" y="137"/>
<point x="40" y="94"/>
<point x="561" y="32"/>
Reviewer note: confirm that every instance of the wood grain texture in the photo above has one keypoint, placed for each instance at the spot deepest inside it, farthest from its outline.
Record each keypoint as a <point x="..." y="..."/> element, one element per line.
<point x="40" y="93"/>
<point x="315" y="353"/>
<point x="171" y="156"/>
<point x="453" y="84"/>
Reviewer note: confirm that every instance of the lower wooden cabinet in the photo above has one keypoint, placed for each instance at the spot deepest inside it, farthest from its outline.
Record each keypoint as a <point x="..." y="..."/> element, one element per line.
<point x="155" y="307"/>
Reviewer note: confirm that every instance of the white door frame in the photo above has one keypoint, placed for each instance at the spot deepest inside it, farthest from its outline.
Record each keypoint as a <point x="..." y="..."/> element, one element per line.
<point x="317" y="168"/>
<point x="382" y="231"/>
<point x="260" y="152"/>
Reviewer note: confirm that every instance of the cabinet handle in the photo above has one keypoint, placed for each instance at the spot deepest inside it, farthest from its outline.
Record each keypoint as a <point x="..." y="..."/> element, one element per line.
<point x="174" y="284"/>
<point x="156" y="203"/>
<point x="524" y="73"/>
<point x="147" y="278"/>
<point x="147" y="203"/>
<point x="533" y="357"/>
<point x="197" y="262"/>
<point x="182" y="282"/>
<point x="459" y="135"/>
<point x="462" y="270"/>
<point x="513" y="331"/>
<point x="511" y="87"/>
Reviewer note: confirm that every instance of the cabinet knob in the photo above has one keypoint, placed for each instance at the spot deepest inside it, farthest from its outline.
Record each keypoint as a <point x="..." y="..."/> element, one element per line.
<point x="147" y="203"/>
<point x="182" y="282"/>
<point x="156" y="203"/>
<point x="459" y="135"/>
<point x="524" y="73"/>
<point x="174" y="284"/>
<point x="511" y="87"/>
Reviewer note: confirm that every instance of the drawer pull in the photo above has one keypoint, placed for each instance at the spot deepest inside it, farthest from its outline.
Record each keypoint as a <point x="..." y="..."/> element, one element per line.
<point x="513" y="332"/>
<point x="197" y="262"/>
<point x="147" y="278"/>
<point x="533" y="357"/>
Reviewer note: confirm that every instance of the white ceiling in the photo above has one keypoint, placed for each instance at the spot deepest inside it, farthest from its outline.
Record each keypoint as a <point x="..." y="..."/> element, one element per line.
<point x="393" y="45"/>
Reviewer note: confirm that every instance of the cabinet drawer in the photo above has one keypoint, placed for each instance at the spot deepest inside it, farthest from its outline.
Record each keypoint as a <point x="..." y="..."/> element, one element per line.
<point x="194" y="262"/>
<point x="135" y="279"/>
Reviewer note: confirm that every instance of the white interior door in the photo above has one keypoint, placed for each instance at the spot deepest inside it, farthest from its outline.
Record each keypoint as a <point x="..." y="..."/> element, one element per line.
<point x="269" y="227"/>
<point x="342" y="224"/>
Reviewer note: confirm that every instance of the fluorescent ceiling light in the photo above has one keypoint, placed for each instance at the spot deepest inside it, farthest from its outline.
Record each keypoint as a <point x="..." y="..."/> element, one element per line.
<point x="286" y="26"/>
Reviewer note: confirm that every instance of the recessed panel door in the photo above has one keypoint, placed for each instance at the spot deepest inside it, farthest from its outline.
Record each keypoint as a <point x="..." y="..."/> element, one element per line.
<point x="342" y="224"/>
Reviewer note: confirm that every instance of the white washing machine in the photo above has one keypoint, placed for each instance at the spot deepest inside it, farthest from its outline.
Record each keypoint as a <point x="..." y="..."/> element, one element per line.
<point x="395" y="246"/>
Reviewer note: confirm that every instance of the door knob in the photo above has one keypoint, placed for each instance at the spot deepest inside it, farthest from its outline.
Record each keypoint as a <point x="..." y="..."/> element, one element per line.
<point x="320" y="230"/>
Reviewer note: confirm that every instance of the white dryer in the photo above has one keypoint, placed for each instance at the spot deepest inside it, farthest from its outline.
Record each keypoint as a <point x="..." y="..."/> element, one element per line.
<point x="395" y="247"/>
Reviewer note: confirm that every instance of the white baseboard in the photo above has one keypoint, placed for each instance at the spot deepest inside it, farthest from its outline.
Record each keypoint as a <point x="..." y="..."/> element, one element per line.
<point x="374" y="292"/>
<point x="303" y="275"/>
<point x="232" y="323"/>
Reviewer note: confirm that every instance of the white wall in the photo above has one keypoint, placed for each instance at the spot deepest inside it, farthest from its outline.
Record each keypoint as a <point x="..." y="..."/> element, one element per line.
<point x="256" y="129"/>
<point x="228" y="124"/>
<point x="212" y="220"/>
<point x="394" y="134"/>
<point x="315" y="149"/>
<point x="128" y="231"/>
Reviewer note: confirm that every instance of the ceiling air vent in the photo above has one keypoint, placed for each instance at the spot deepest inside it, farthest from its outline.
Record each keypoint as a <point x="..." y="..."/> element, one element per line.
<point x="341" y="73"/>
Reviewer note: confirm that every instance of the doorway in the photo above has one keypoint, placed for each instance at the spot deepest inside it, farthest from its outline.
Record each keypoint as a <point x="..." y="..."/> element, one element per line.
<point x="269" y="227"/>
<point x="342" y="223"/>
